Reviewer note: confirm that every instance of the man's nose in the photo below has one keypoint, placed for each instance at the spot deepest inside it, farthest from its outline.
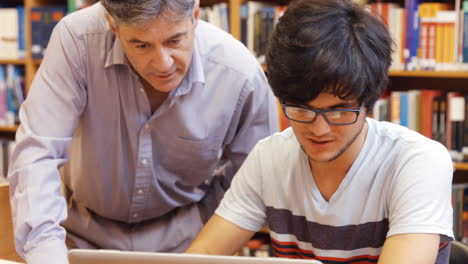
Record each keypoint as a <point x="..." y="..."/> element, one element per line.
<point x="162" y="61"/>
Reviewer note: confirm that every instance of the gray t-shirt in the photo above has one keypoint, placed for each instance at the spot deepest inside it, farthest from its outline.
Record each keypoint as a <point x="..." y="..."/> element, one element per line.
<point x="400" y="183"/>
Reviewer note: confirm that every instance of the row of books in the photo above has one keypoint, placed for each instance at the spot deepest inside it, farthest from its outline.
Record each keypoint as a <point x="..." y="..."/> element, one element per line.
<point x="435" y="39"/>
<point x="217" y="14"/>
<point x="439" y="115"/>
<point x="6" y="148"/>
<point x="11" y="93"/>
<point x="43" y="19"/>
<point x="460" y="211"/>
<point x="427" y="35"/>
<point x="12" y="33"/>
<point x="257" y="22"/>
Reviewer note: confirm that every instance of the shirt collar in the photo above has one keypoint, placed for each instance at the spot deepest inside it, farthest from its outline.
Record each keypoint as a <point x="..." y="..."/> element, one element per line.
<point x="116" y="55"/>
<point x="195" y="74"/>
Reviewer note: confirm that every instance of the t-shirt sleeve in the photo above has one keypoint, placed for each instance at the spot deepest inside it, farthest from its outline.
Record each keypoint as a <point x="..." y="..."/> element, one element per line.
<point x="420" y="198"/>
<point x="243" y="203"/>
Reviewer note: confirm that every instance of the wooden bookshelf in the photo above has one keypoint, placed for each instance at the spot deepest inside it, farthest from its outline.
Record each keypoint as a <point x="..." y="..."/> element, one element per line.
<point x="463" y="166"/>
<point x="14" y="62"/>
<point x="234" y="18"/>
<point x="430" y="74"/>
<point x="8" y="132"/>
<point x="7" y="248"/>
<point x="8" y="129"/>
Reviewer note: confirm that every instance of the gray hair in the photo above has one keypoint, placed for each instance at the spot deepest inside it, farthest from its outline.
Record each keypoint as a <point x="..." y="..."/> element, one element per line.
<point x="142" y="11"/>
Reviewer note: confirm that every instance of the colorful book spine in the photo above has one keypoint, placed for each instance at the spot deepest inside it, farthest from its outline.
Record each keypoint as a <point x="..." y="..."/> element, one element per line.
<point x="465" y="35"/>
<point x="412" y="34"/>
<point x="36" y="32"/>
<point x="21" y="32"/>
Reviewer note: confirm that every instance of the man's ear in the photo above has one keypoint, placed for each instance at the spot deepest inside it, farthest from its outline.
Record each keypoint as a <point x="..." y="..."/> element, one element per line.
<point x="111" y="24"/>
<point x="196" y="12"/>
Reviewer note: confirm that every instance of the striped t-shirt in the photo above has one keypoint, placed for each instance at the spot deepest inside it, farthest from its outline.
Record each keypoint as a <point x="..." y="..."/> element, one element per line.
<point x="399" y="183"/>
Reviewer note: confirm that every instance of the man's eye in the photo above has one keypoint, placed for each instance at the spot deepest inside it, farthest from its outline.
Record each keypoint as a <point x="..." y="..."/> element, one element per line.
<point x="142" y="46"/>
<point x="174" y="41"/>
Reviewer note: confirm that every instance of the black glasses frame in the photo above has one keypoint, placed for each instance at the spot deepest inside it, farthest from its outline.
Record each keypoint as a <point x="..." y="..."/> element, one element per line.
<point x="323" y="112"/>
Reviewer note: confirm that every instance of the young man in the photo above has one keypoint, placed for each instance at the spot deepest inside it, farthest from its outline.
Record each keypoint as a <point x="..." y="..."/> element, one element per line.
<point x="145" y="113"/>
<point x="337" y="186"/>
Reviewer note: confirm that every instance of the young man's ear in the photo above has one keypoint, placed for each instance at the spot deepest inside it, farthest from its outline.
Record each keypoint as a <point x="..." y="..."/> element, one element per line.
<point x="110" y="23"/>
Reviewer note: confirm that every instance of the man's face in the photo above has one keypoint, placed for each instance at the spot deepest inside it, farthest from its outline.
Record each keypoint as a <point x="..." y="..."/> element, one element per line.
<point x="161" y="50"/>
<point x="324" y="142"/>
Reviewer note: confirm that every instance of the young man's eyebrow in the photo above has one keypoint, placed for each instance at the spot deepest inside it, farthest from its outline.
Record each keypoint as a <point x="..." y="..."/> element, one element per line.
<point x="335" y="106"/>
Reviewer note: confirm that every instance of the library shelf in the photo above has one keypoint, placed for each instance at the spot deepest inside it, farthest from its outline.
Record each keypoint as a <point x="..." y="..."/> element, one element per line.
<point x="461" y="166"/>
<point x="8" y="132"/>
<point x="9" y="128"/>
<point x="430" y="74"/>
<point x="13" y="61"/>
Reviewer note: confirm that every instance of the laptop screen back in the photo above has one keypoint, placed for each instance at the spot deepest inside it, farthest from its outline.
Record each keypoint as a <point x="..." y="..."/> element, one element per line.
<point x="83" y="256"/>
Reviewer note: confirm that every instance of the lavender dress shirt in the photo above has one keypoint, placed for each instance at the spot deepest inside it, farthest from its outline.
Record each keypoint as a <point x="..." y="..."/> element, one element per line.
<point x="87" y="123"/>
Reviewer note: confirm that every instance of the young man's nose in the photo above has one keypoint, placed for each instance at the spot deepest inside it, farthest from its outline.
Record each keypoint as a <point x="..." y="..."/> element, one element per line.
<point x="320" y="126"/>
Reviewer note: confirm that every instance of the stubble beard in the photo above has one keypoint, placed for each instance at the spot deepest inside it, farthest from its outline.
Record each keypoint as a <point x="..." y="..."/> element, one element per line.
<point x="343" y="149"/>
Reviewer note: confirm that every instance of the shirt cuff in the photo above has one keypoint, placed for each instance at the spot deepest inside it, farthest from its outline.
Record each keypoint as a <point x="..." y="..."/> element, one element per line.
<point x="50" y="252"/>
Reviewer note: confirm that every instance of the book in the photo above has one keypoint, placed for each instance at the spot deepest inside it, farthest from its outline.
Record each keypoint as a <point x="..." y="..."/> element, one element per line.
<point x="9" y="33"/>
<point x="427" y="117"/>
<point x="412" y="35"/>
<point x="395" y="111"/>
<point x="36" y="32"/>
<point x="457" y="117"/>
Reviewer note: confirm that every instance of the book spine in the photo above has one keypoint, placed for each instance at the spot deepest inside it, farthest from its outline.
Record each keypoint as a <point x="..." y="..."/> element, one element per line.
<point x="21" y="33"/>
<point x="404" y="109"/>
<point x="36" y="32"/>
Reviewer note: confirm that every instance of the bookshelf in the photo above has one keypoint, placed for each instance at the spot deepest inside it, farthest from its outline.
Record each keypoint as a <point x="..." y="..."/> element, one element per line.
<point x="430" y="74"/>
<point x="7" y="248"/>
<point x="13" y="61"/>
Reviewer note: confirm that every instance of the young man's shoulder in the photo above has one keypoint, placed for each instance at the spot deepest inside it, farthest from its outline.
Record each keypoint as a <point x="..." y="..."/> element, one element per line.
<point x="390" y="134"/>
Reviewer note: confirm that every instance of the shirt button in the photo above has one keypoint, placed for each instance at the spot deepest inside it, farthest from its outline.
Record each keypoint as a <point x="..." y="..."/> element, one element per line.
<point x="147" y="126"/>
<point x="144" y="161"/>
<point x="140" y="191"/>
<point x="142" y="90"/>
<point x="207" y="182"/>
<point x="135" y="215"/>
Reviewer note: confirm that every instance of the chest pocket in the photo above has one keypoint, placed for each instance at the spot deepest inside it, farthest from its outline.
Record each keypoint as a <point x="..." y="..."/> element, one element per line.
<point x="189" y="161"/>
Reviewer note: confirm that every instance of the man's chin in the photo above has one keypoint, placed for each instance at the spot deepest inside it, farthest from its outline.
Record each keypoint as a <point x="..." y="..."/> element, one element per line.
<point x="165" y="87"/>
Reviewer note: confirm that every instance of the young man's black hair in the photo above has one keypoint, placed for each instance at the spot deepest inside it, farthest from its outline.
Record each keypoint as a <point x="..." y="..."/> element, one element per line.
<point x="329" y="46"/>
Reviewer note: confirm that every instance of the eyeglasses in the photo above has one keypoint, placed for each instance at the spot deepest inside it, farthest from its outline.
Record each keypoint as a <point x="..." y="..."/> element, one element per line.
<point x="339" y="117"/>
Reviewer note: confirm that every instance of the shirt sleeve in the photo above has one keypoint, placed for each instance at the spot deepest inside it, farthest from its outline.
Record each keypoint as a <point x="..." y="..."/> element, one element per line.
<point x="243" y="203"/>
<point x="257" y="117"/>
<point x="420" y="198"/>
<point x="48" y="117"/>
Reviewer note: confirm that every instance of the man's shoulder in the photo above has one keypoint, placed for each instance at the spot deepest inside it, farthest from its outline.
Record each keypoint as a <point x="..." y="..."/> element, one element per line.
<point x="223" y="50"/>
<point x="89" y="20"/>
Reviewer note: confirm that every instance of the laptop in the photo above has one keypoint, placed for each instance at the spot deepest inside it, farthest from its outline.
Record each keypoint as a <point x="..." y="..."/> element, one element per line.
<point x="85" y="256"/>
